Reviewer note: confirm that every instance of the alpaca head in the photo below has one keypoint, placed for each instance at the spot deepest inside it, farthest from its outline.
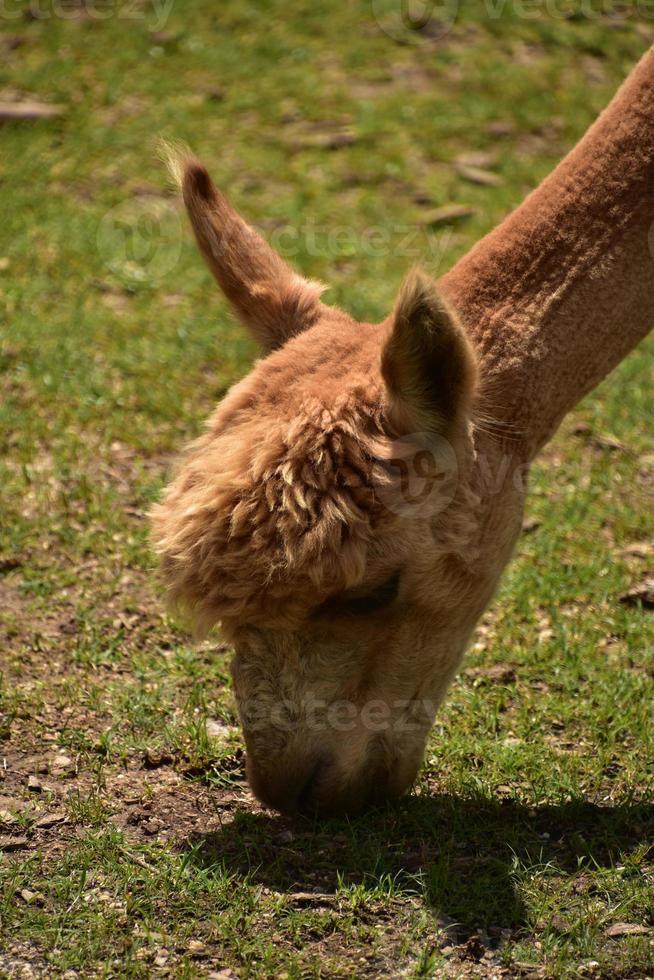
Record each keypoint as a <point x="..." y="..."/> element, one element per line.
<point x="325" y="519"/>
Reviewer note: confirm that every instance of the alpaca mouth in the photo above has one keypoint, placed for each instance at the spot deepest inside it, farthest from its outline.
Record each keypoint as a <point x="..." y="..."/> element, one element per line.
<point x="325" y="794"/>
<point x="306" y="799"/>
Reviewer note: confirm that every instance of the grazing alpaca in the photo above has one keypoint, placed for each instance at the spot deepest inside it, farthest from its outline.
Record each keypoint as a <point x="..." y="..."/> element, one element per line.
<point x="348" y="593"/>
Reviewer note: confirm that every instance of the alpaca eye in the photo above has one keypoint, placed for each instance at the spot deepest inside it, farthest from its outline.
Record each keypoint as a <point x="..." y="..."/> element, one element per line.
<point x="356" y="602"/>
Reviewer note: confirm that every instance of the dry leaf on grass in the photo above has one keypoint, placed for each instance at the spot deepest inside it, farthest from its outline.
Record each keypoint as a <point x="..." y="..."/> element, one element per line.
<point x="638" y="549"/>
<point x="640" y="595"/>
<point x="30" y="897"/>
<point x="475" y="175"/>
<point x="12" y="843"/>
<point x="447" y="215"/>
<point x="477" y="158"/>
<point x="626" y="929"/>
<point x="50" y="819"/>
<point x="219" y="729"/>
<point x="29" y="109"/>
<point x="334" y="140"/>
<point x="312" y="898"/>
<point x="495" y="674"/>
<point x="155" y="758"/>
<point x="607" y="441"/>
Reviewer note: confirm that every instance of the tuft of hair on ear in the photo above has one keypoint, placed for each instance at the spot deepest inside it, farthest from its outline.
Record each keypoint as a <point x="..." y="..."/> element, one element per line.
<point x="428" y="363"/>
<point x="266" y="293"/>
<point x="175" y="155"/>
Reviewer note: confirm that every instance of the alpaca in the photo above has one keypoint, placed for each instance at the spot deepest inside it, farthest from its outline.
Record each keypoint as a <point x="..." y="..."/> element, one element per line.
<point x="293" y="520"/>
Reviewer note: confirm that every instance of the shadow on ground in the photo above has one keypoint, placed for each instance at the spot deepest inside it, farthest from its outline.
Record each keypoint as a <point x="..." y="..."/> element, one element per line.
<point x="461" y="854"/>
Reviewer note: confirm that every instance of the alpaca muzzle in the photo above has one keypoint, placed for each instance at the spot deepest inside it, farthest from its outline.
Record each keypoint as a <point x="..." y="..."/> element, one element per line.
<point x="317" y="784"/>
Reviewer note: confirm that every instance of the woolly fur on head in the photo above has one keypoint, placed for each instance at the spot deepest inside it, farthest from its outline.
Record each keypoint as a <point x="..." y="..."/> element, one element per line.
<point x="268" y="509"/>
<point x="276" y="508"/>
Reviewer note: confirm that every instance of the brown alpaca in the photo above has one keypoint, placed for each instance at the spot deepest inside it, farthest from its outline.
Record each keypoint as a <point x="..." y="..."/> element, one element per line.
<point x="349" y="598"/>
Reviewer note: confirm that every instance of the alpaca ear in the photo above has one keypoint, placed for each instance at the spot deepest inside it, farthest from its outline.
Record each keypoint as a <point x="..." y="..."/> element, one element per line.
<point x="428" y="364"/>
<point x="267" y="294"/>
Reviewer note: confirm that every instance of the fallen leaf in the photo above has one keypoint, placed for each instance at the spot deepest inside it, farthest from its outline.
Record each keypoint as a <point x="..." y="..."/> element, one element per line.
<point x="50" y="819"/>
<point x="197" y="948"/>
<point x="639" y="549"/>
<point x="530" y="524"/>
<point x="34" y="785"/>
<point x="29" y="109"/>
<point x="154" y="758"/>
<point x="218" y="729"/>
<point x="447" y="215"/>
<point x="640" y="595"/>
<point x="152" y="826"/>
<point x="328" y="141"/>
<point x="12" y="843"/>
<point x="312" y="898"/>
<point x="475" y="175"/>
<point x="29" y="896"/>
<point x="495" y="674"/>
<point x="626" y="929"/>
<point x="607" y="441"/>
<point x="477" y="158"/>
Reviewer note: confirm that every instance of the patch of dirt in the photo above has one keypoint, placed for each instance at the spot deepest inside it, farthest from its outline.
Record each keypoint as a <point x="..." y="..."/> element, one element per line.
<point x="24" y="962"/>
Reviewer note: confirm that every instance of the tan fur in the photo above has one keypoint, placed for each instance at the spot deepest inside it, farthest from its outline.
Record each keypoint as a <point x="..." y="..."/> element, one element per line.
<point x="272" y="299"/>
<point x="293" y="511"/>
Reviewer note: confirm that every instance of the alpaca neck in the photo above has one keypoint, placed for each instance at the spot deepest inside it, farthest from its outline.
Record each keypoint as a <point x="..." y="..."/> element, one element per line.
<point x="563" y="289"/>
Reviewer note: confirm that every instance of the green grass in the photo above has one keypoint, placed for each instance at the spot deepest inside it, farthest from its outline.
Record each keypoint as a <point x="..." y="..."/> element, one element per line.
<point x="138" y="850"/>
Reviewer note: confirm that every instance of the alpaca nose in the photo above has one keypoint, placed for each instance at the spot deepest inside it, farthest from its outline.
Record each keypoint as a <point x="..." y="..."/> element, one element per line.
<point x="317" y="789"/>
<point x="306" y="798"/>
<point x="289" y="789"/>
